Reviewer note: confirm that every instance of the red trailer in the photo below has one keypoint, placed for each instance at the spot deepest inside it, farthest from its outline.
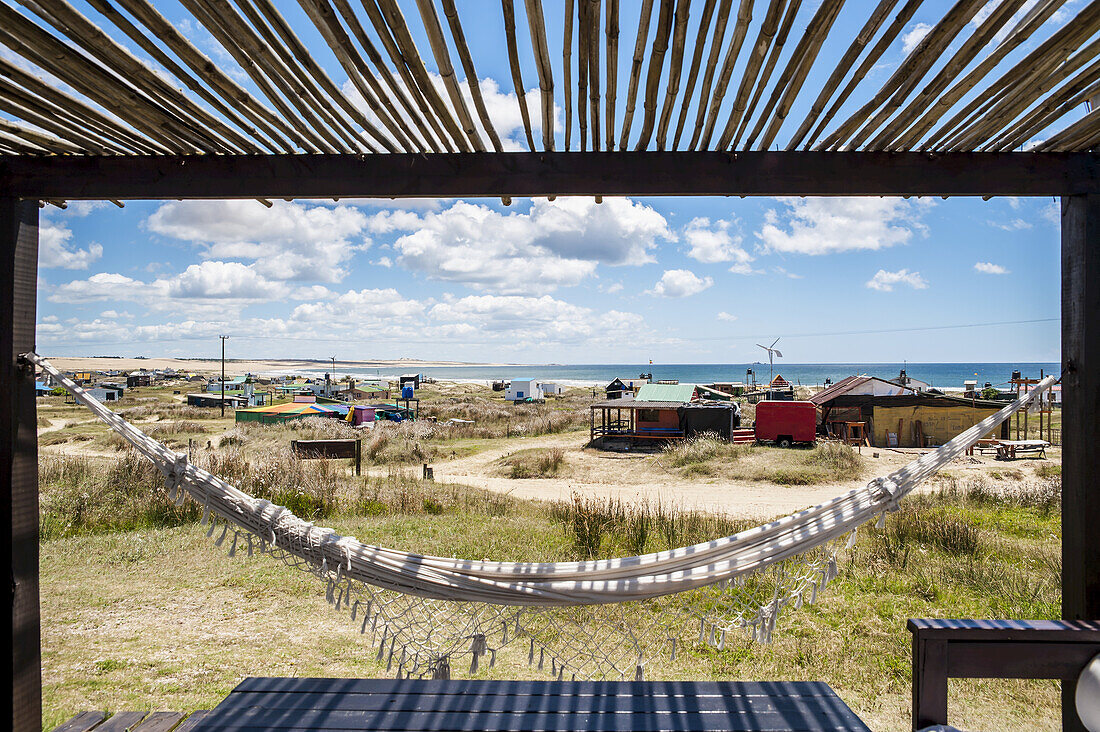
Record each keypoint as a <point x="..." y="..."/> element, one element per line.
<point x="786" y="423"/>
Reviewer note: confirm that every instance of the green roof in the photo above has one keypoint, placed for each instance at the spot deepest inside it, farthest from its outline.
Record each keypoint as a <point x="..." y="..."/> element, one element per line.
<point x="665" y="393"/>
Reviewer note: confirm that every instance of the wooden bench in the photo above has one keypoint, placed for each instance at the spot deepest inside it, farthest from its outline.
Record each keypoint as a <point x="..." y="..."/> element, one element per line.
<point x="993" y="649"/>
<point x="495" y="706"/>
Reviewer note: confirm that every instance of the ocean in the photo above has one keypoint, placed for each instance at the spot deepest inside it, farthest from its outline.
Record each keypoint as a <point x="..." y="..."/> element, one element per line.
<point x="940" y="375"/>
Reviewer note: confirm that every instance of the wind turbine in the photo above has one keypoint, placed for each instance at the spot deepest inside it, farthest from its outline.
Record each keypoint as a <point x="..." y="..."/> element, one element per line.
<point x="772" y="353"/>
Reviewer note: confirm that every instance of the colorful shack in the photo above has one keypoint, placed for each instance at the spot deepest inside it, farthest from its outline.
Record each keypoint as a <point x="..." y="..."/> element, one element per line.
<point x="278" y="413"/>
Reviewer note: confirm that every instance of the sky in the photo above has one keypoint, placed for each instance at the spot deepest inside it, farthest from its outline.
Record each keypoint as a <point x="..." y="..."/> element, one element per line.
<point x="675" y="280"/>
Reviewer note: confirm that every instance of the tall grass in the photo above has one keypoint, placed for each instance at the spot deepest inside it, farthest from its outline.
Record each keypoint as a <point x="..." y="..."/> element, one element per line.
<point x="535" y="463"/>
<point x="606" y="527"/>
<point x="79" y="496"/>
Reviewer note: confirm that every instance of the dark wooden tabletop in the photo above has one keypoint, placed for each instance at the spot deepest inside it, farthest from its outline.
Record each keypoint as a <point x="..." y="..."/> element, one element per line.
<point x="495" y="706"/>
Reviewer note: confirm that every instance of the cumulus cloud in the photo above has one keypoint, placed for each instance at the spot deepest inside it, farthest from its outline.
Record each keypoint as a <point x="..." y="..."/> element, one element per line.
<point x="714" y="243"/>
<point x="535" y="319"/>
<point x="723" y="315"/>
<point x="989" y="268"/>
<point x="1016" y="224"/>
<point x="914" y="36"/>
<point x="553" y="244"/>
<point x="289" y="241"/>
<point x="206" y="287"/>
<point x="829" y="225"/>
<point x="680" y="283"/>
<point x="503" y="109"/>
<point x="884" y="281"/>
<point x="359" y="307"/>
<point x="55" y="250"/>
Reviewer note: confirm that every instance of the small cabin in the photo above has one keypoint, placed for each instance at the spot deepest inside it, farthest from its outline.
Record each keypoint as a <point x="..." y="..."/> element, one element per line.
<point x="522" y="389"/>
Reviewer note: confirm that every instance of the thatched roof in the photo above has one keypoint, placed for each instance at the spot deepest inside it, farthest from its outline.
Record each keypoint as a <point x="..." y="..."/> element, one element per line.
<point x="124" y="80"/>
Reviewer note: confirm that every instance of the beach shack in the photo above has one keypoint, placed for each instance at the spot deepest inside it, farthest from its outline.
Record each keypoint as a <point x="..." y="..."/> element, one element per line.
<point x="663" y="412"/>
<point x="522" y="389"/>
<point x="289" y="411"/>
<point x="913" y="419"/>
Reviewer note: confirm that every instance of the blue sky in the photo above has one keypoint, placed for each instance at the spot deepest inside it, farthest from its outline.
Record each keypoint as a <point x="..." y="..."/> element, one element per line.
<point x="568" y="281"/>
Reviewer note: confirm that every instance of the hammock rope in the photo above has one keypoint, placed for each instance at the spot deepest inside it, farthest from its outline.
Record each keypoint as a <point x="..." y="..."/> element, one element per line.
<point x="432" y="609"/>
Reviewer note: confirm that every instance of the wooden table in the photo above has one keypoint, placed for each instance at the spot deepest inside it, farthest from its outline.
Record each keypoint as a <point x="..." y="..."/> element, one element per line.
<point x="493" y="706"/>
<point x="1008" y="449"/>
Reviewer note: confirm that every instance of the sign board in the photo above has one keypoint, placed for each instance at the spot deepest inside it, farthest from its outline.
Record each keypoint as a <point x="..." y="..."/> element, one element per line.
<point x="329" y="449"/>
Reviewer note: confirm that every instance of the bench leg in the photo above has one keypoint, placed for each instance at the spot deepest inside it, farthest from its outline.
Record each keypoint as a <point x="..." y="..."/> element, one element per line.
<point x="929" y="683"/>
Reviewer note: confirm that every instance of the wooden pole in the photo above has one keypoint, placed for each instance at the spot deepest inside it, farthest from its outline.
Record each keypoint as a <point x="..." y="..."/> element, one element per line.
<point x="19" y="452"/>
<point x="1080" y="419"/>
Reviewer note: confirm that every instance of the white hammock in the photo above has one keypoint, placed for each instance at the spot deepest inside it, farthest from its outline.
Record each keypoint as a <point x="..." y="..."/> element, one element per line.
<point x="341" y="559"/>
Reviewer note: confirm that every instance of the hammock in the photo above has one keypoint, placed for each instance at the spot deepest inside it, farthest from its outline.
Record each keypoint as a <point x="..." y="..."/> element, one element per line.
<point x="430" y="610"/>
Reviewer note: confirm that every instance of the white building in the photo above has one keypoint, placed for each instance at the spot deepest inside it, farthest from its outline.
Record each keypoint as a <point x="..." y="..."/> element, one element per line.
<point x="551" y="389"/>
<point x="525" y="388"/>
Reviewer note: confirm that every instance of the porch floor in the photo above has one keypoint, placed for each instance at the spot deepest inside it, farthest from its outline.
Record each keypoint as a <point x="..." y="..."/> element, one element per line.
<point x="287" y="704"/>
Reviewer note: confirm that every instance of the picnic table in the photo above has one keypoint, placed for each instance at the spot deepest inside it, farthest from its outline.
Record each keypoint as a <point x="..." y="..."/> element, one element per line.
<point x="1009" y="449"/>
<point x="495" y="706"/>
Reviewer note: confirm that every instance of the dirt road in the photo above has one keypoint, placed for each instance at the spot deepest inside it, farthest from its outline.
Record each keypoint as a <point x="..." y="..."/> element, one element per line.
<point x="639" y="477"/>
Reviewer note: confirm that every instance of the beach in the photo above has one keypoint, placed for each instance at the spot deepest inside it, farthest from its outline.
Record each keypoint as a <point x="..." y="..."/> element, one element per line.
<point x="238" y="367"/>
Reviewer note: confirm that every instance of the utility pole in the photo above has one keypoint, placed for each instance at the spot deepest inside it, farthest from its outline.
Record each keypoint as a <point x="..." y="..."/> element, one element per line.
<point x="224" y="339"/>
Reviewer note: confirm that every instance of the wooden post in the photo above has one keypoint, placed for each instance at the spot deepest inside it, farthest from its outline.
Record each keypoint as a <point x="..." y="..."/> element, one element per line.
<point x="1080" y="419"/>
<point x="359" y="457"/>
<point x="19" y="451"/>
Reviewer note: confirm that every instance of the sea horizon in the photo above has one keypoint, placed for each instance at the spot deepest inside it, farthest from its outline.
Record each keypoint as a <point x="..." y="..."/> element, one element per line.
<point x="943" y="375"/>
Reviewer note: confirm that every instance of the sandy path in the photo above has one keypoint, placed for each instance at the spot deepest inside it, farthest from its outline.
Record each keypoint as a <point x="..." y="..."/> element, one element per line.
<point x="638" y="477"/>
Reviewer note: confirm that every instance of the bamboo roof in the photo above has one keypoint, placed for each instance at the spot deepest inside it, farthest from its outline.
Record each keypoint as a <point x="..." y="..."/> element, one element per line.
<point x="119" y="78"/>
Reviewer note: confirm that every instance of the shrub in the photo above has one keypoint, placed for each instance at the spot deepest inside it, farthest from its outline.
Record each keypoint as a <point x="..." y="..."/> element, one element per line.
<point x="938" y="528"/>
<point x="840" y="460"/>
<point x="544" y="463"/>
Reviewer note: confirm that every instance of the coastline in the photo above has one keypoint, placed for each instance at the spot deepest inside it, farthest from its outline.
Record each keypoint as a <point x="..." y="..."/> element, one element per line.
<point x="239" y="367"/>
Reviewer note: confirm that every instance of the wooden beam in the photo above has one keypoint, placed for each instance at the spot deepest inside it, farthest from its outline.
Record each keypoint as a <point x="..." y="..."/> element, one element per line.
<point x="1080" y="418"/>
<point x="773" y="173"/>
<point x="19" y="451"/>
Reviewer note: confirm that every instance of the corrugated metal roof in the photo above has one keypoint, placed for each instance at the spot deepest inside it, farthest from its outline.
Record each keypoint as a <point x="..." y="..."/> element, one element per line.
<point x="635" y="404"/>
<point x="665" y="393"/>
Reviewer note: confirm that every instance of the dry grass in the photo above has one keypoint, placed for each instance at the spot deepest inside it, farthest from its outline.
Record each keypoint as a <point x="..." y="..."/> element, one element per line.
<point x="161" y="619"/>
<point x="709" y="456"/>
<point x="534" y="463"/>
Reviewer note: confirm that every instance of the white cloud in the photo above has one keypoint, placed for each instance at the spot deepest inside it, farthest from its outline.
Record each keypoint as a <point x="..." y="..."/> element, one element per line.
<point x="554" y="244"/>
<point x="884" y="281"/>
<point x="989" y="268"/>
<point x="503" y="109"/>
<point x="723" y="315"/>
<point x="101" y="286"/>
<point x="207" y="287"/>
<point x="289" y="241"/>
<point x="829" y="225"/>
<point x="55" y="251"/>
<point x="1011" y="225"/>
<point x="681" y="283"/>
<point x="356" y="308"/>
<point x="914" y="36"/>
<point x="717" y="242"/>
<point x="526" y="319"/>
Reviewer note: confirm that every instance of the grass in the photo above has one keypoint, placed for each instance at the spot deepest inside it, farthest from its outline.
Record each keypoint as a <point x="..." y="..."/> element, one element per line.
<point x="534" y="463"/>
<point x="709" y="456"/>
<point x="159" y="618"/>
<point x="143" y="612"/>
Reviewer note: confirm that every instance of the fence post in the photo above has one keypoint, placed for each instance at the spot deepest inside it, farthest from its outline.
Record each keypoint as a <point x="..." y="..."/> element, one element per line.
<point x="358" y="456"/>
